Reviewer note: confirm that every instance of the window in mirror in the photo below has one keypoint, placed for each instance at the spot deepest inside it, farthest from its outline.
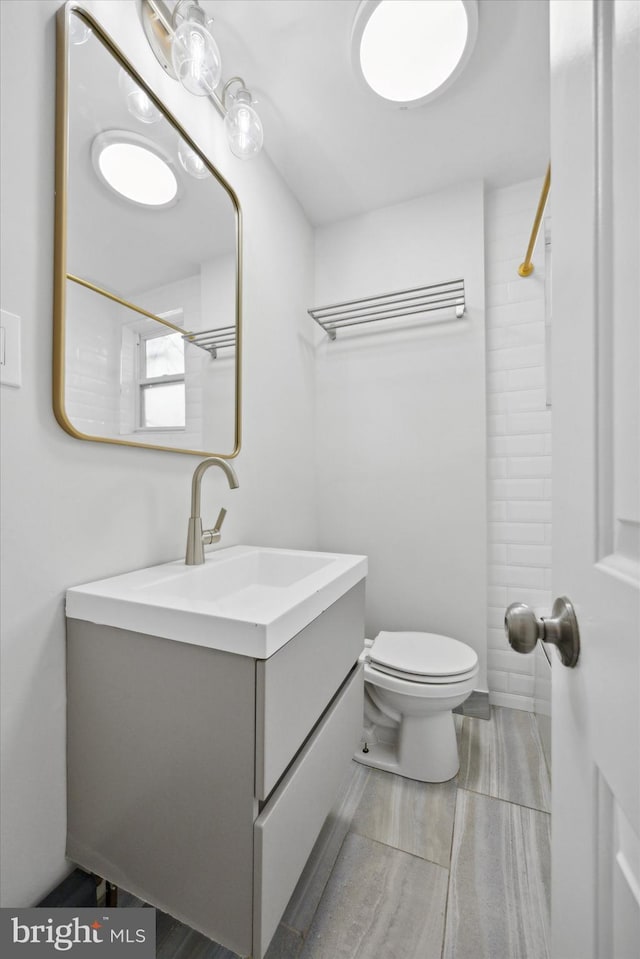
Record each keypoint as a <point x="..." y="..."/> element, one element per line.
<point x="162" y="406"/>
<point x="163" y="355"/>
<point x="162" y="382"/>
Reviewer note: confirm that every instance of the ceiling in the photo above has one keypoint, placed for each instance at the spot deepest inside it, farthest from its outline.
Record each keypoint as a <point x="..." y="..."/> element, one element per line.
<point x="341" y="150"/>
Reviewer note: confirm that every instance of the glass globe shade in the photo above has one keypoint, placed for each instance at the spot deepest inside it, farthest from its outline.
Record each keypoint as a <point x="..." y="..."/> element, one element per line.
<point x="191" y="162"/>
<point x="138" y="103"/>
<point x="196" y="58"/>
<point x="79" y="31"/>
<point x="243" y="126"/>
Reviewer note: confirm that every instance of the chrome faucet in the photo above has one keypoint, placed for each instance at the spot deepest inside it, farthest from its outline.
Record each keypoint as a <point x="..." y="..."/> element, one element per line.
<point x="197" y="538"/>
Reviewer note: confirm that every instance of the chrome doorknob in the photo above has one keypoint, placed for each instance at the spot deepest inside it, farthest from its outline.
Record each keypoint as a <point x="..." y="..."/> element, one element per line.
<point x="523" y="629"/>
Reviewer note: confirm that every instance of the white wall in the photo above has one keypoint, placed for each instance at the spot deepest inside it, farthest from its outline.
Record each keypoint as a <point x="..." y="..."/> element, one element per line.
<point x="401" y="418"/>
<point x="217" y="291"/>
<point x="75" y="511"/>
<point x="519" y="436"/>
<point x="93" y="348"/>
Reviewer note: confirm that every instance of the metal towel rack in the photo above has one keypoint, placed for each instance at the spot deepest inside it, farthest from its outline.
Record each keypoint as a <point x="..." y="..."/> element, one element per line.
<point x="387" y="306"/>
<point x="212" y="340"/>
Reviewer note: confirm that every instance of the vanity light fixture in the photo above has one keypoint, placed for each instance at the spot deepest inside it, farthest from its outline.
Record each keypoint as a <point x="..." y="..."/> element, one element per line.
<point x="135" y="168"/>
<point x="184" y="46"/>
<point x="410" y="51"/>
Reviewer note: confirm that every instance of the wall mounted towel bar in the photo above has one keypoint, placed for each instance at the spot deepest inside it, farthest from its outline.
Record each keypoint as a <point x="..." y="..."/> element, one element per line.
<point x="212" y="340"/>
<point x="388" y="306"/>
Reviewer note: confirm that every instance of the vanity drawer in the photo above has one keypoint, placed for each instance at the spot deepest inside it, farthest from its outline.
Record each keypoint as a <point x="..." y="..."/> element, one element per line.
<point x="294" y="685"/>
<point x="287" y="828"/>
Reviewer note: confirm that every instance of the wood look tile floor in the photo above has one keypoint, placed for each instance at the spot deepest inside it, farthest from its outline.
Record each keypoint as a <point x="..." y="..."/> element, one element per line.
<point x="406" y="870"/>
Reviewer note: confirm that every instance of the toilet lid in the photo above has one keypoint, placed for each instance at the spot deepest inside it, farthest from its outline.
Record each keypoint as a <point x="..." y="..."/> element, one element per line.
<point x="425" y="657"/>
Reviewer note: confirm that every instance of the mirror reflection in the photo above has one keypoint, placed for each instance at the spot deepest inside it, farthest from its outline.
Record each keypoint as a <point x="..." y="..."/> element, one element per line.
<point x="151" y="312"/>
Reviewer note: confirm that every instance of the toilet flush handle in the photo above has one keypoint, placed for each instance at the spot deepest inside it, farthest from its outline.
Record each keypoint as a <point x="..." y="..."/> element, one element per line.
<point x="523" y="629"/>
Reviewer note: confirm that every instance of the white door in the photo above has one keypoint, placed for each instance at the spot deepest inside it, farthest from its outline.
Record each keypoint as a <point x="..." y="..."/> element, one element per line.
<point x="595" y="161"/>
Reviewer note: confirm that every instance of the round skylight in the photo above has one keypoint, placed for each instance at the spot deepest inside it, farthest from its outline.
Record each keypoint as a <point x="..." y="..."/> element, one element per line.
<point x="409" y="51"/>
<point x="135" y="168"/>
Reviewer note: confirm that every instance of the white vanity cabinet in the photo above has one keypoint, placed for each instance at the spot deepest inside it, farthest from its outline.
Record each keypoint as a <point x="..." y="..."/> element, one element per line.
<point x="199" y="779"/>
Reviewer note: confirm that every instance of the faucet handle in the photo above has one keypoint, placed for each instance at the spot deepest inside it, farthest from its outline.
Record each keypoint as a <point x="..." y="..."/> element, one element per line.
<point x="210" y="536"/>
<point x="220" y="520"/>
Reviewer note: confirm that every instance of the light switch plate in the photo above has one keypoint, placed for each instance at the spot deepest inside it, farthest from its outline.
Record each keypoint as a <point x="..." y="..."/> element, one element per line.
<point x="10" y="353"/>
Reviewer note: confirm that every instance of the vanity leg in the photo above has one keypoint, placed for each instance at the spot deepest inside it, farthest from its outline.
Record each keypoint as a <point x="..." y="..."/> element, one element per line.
<point x="111" y="896"/>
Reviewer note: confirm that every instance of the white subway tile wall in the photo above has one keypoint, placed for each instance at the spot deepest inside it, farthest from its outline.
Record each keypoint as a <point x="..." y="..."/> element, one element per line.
<point x="519" y="436"/>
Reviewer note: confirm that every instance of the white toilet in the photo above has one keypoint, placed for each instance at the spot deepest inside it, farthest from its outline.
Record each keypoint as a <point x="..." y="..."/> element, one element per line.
<point x="413" y="681"/>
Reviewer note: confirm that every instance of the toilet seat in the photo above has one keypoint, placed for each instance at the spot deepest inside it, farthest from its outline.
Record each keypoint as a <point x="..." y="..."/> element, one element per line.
<point x="422" y="657"/>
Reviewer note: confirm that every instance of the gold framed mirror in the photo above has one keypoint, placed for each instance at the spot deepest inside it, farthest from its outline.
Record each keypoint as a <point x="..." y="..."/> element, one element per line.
<point x="148" y="263"/>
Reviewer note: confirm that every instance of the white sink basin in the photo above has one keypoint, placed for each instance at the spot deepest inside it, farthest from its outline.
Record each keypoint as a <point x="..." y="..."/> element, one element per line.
<point x="248" y="600"/>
